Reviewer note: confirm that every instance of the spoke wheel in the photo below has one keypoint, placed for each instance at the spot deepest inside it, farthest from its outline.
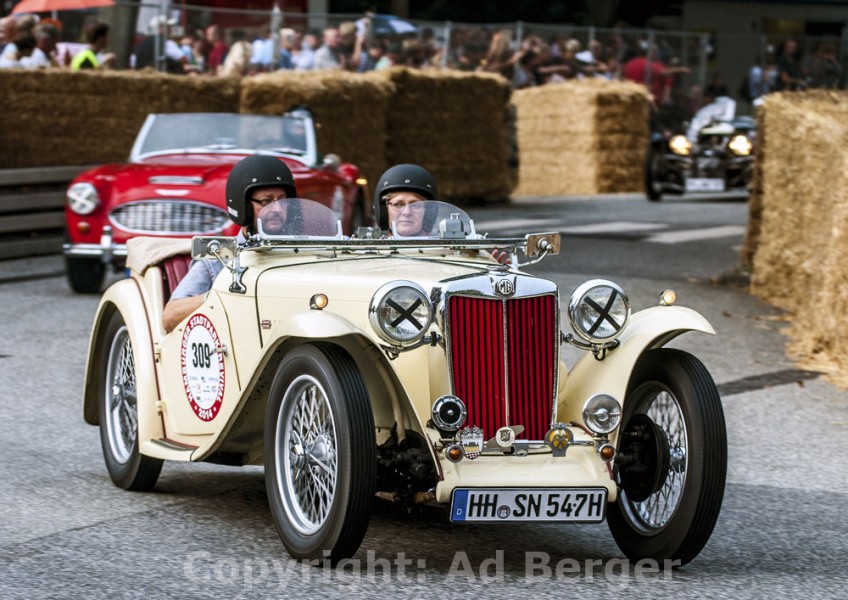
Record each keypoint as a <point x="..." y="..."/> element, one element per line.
<point x="320" y="453"/>
<point x="118" y="413"/>
<point x="672" y="460"/>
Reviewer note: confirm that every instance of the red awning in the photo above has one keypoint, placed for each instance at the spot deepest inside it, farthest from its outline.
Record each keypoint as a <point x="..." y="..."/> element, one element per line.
<point x="37" y="6"/>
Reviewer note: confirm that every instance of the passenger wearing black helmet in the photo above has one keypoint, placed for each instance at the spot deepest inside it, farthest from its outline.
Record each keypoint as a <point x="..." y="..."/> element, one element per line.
<point x="397" y="199"/>
<point x="254" y="182"/>
<point x="398" y="202"/>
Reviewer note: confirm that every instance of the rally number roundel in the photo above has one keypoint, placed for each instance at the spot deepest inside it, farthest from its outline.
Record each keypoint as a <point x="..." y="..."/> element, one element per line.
<point x="202" y="368"/>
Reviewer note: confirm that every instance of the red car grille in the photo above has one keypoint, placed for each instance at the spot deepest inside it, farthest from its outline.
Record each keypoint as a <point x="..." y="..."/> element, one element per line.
<point x="170" y="216"/>
<point x="493" y="353"/>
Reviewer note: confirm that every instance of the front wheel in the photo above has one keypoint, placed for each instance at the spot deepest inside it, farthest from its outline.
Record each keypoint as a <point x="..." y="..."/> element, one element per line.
<point x="118" y="413"/>
<point x="320" y="453"/>
<point x="653" y="187"/>
<point x="672" y="459"/>
<point x="85" y="275"/>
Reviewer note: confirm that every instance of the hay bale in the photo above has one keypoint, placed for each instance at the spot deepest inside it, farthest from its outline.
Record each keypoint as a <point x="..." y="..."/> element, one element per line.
<point x="801" y="251"/>
<point x="581" y="137"/>
<point x="58" y="117"/>
<point x="349" y="109"/>
<point x="454" y="125"/>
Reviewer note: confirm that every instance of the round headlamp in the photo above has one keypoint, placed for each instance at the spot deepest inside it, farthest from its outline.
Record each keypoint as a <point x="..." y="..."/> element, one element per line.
<point x="598" y="310"/>
<point x="601" y="413"/>
<point x="400" y="312"/>
<point x="83" y="198"/>
<point x="680" y="144"/>
<point x="740" y="145"/>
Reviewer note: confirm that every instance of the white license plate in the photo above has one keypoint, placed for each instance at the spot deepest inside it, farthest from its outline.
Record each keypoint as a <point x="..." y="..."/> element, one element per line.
<point x="585" y="505"/>
<point x="705" y="184"/>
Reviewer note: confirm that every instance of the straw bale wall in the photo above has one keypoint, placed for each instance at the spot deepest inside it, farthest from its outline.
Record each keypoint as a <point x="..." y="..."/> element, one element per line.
<point x="349" y="110"/>
<point x="58" y="117"/>
<point x="581" y="137"/>
<point x="800" y="236"/>
<point x="454" y="124"/>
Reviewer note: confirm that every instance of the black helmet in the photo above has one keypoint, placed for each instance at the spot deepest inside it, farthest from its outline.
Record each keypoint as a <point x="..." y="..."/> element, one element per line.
<point x="256" y="171"/>
<point x="402" y="178"/>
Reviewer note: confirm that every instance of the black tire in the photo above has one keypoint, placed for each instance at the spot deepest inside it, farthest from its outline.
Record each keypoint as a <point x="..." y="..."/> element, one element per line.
<point x="118" y="413"/>
<point x="680" y="472"/>
<point x="85" y="275"/>
<point x="653" y="188"/>
<point x="330" y="458"/>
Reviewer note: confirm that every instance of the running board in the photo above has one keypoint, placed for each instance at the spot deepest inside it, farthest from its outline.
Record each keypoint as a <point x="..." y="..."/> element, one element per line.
<point x="167" y="449"/>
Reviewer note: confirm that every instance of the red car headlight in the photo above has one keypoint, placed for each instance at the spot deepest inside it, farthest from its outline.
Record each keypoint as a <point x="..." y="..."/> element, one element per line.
<point x="83" y="198"/>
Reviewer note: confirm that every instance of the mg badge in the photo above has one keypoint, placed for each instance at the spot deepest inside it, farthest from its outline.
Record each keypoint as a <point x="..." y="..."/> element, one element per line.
<point x="505" y="437"/>
<point x="471" y="440"/>
<point x="505" y="287"/>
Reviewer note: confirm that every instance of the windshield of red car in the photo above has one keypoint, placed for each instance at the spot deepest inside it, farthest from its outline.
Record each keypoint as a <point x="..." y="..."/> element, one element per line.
<point x="224" y="132"/>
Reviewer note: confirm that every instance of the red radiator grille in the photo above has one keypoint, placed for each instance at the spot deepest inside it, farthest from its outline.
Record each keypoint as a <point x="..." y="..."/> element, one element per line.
<point x="477" y="359"/>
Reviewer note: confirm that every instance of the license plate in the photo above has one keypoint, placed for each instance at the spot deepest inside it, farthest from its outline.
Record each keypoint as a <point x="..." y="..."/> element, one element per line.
<point x="585" y="505"/>
<point x="705" y="184"/>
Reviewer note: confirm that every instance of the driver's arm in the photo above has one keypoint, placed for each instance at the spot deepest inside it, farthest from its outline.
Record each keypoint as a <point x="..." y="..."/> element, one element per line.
<point x="177" y="310"/>
<point x="190" y="293"/>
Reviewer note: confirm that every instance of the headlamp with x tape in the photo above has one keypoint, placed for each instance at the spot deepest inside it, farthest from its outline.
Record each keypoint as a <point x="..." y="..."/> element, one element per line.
<point x="598" y="310"/>
<point x="401" y="312"/>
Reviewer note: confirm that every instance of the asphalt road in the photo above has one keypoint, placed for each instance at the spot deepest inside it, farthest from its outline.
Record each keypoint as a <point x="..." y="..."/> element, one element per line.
<point x="206" y="532"/>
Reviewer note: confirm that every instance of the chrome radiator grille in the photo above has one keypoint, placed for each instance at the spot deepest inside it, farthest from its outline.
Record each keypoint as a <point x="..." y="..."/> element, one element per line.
<point x="504" y="360"/>
<point x="169" y="216"/>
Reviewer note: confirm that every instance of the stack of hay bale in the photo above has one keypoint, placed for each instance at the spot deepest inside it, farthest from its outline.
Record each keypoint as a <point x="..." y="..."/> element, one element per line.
<point x="58" y="117"/>
<point x="349" y="110"/>
<point x="581" y="137"/>
<point x="454" y="124"/>
<point x="799" y="241"/>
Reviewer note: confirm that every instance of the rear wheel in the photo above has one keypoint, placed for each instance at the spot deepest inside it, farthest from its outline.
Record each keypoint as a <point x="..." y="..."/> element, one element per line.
<point x="320" y="453"/>
<point x="118" y="412"/>
<point x="672" y="459"/>
<point x="85" y="275"/>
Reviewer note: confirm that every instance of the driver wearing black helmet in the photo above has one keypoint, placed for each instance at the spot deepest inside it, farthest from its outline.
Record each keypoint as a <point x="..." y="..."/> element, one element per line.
<point x="254" y="182"/>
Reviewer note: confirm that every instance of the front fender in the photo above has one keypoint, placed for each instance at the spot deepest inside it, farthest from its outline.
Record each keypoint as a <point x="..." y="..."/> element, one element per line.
<point x="314" y="324"/>
<point x="650" y="328"/>
<point x="126" y="297"/>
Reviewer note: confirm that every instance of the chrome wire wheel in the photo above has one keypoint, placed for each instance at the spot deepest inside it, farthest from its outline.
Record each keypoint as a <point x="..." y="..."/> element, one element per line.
<point x="118" y="410"/>
<point x="320" y="453"/>
<point x="672" y="460"/>
<point x="307" y="452"/>
<point x="122" y="417"/>
<point x="663" y="408"/>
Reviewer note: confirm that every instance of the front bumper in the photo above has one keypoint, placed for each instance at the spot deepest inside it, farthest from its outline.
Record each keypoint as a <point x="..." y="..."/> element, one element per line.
<point x="105" y="250"/>
<point x="580" y="468"/>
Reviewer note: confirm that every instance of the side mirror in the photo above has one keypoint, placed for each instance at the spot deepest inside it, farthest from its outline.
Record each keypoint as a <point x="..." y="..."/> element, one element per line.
<point x="222" y="248"/>
<point x="331" y="162"/>
<point x="542" y="243"/>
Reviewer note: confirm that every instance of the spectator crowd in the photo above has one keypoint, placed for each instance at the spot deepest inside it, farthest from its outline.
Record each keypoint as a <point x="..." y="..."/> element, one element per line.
<point x="353" y="46"/>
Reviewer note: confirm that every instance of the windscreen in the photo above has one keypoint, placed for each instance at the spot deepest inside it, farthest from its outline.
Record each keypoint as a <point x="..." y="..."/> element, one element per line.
<point x="223" y="132"/>
<point x="297" y="218"/>
<point x="427" y="219"/>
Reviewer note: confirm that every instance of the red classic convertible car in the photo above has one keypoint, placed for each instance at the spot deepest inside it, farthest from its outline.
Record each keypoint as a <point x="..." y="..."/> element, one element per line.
<point x="174" y="185"/>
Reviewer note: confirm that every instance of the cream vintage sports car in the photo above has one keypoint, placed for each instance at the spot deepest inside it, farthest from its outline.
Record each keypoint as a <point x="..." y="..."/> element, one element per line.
<point x="411" y="368"/>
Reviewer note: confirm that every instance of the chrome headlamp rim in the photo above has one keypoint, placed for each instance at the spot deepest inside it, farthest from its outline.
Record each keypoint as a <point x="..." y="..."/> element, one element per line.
<point x="440" y="423"/>
<point x="83" y="198"/>
<point x="615" y="414"/>
<point x="577" y="297"/>
<point x="377" y="301"/>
